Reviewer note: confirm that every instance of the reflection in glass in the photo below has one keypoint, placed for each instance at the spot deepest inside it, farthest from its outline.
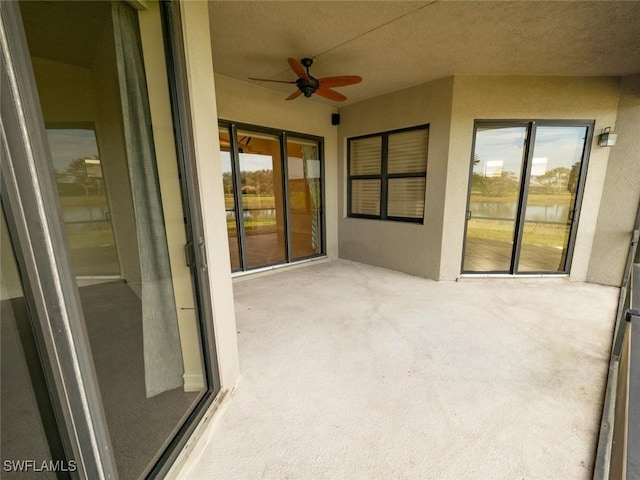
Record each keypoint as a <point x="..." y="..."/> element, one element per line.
<point x="304" y="190"/>
<point x="228" y="186"/>
<point x="29" y="430"/>
<point x="493" y="201"/>
<point x="142" y="327"/>
<point x="551" y="198"/>
<point x="262" y="198"/>
<point x="83" y="198"/>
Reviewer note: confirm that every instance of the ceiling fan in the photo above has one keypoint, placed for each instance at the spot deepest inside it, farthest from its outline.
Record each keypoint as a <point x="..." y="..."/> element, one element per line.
<point x="308" y="85"/>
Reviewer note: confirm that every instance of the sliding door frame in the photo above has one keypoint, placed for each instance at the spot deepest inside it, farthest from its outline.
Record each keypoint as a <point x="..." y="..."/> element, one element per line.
<point x="525" y="177"/>
<point x="283" y="137"/>
<point x="237" y="194"/>
<point x="179" y="94"/>
<point x="34" y="218"/>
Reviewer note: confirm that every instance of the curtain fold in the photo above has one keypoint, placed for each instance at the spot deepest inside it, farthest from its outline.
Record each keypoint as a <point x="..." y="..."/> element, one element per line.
<point x="311" y="166"/>
<point x="163" y="364"/>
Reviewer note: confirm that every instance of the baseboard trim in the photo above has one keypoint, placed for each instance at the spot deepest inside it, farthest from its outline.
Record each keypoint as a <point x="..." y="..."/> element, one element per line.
<point x="193" y="382"/>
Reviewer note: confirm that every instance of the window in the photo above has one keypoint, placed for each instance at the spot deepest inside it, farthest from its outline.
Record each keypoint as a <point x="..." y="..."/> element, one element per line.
<point x="387" y="175"/>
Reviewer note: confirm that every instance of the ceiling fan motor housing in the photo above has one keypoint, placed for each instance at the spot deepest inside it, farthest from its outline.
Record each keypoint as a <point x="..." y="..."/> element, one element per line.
<point x="308" y="85"/>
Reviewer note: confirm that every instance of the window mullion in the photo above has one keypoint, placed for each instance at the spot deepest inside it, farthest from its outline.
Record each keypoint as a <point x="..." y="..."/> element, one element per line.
<point x="407" y="175"/>
<point x="284" y="161"/>
<point x="365" y="177"/>
<point x="383" y="176"/>
<point x="349" y="179"/>
<point x="237" y="192"/>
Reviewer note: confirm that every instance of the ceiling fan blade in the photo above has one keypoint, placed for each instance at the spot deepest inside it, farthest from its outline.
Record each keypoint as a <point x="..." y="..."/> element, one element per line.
<point x="330" y="94"/>
<point x="295" y="94"/>
<point x="297" y="68"/>
<point x="269" y="80"/>
<point x="341" y="81"/>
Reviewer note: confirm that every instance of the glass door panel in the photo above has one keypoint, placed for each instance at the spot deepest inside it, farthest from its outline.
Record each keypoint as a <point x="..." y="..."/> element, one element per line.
<point x="143" y="327"/>
<point x="493" y="200"/>
<point x="524" y="227"/>
<point x="305" y="199"/>
<point x="551" y="198"/>
<point x="228" y="186"/>
<point x="262" y="199"/>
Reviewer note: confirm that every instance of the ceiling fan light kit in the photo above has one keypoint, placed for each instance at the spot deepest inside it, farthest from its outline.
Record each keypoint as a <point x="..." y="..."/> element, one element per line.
<point x="308" y="85"/>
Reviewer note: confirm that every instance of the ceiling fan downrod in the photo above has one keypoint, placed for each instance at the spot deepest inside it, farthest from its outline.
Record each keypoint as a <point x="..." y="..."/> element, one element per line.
<point x="308" y="85"/>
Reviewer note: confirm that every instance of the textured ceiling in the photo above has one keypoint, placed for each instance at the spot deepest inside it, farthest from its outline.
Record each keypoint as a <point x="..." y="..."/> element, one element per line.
<point x="394" y="45"/>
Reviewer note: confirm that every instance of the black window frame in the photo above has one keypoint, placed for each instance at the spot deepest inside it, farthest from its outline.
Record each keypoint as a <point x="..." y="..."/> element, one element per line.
<point x="384" y="176"/>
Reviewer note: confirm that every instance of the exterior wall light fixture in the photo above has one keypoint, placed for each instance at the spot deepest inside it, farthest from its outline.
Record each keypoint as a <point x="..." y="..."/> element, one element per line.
<point x="607" y="138"/>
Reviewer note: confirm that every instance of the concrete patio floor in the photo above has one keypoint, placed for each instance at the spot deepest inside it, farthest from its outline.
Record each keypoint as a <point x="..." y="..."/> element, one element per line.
<point x="355" y="372"/>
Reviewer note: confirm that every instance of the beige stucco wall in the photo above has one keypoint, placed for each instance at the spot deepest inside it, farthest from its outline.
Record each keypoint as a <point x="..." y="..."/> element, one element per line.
<point x="406" y="247"/>
<point x="247" y="103"/>
<point x="621" y="193"/>
<point x="450" y="106"/>
<point x="552" y="98"/>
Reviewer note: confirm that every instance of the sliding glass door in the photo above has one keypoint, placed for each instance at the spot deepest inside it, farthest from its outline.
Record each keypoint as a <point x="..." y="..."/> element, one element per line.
<point x="493" y="199"/>
<point x="272" y="183"/>
<point x="304" y="195"/>
<point x="552" y="189"/>
<point x="524" y="196"/>
<point x="263" y="219"/>
<point x="111" y="337"/>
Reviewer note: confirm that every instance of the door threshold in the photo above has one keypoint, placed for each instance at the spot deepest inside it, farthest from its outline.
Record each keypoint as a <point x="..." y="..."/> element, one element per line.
<point x="521" y="276"/>
<point x="238" y="276"/>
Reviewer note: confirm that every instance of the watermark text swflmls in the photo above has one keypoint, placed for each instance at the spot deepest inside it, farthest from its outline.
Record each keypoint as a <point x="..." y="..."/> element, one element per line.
<point x="30" y="465"/>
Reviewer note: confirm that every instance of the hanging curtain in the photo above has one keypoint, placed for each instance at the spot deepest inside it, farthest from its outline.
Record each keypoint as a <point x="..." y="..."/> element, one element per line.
<point x="163" y="365"/>
<point x="311" y="166"/>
